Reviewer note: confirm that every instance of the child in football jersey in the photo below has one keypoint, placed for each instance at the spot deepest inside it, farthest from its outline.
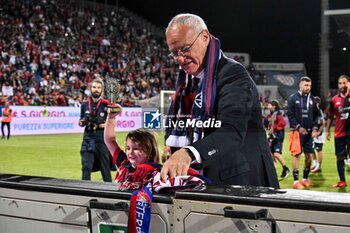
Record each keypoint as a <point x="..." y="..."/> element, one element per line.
<point x="139" y="160"/>
<point x="275" y="125"/>
<point x="319" y="141"/>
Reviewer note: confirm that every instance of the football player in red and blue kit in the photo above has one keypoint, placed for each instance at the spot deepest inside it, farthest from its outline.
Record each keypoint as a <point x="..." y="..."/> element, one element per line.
<point x="339" y="108"/>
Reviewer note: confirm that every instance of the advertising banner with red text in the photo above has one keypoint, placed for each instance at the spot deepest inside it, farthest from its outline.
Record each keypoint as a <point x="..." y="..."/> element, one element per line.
<point x="29" y="120"/>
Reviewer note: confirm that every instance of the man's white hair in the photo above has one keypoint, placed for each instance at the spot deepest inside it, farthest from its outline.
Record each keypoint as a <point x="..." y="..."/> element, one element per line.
<point x="192" y="21"/>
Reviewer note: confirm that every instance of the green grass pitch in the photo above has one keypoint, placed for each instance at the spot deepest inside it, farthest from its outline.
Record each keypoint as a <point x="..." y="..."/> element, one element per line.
<point x="59" y="156"/>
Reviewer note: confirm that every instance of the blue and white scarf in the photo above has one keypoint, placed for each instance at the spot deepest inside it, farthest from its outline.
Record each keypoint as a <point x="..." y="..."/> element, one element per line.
<point x="201" y="108"/>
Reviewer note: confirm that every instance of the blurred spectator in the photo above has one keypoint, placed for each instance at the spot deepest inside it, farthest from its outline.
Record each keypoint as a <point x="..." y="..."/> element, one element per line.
<point x="7" y="89"/>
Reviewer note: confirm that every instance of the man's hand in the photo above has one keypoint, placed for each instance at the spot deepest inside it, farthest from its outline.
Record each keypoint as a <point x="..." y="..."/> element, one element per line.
<point x="328" y="136"/>
<point x="82" y="122"/>
<point x="166" y="153"/>
<point x="302" y="131"/>
<point x="177" y="165"/>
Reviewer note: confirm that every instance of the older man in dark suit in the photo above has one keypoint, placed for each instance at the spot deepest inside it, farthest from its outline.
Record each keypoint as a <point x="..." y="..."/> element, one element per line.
<point x="222" y="130"/>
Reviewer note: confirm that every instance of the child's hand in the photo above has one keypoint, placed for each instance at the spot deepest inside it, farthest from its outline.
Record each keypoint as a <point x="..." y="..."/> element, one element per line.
<point x="114" y="110"/>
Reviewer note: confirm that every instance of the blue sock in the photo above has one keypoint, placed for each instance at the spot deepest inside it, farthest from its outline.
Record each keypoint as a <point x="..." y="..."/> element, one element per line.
<point x="340" y="166"/>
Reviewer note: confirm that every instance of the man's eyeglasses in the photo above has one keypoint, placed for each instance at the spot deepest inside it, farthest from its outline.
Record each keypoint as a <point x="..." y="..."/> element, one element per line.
<point x="182" y="52"/>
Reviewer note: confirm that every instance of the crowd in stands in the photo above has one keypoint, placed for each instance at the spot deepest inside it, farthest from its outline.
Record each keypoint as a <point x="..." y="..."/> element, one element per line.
<point x="51" y="50"/>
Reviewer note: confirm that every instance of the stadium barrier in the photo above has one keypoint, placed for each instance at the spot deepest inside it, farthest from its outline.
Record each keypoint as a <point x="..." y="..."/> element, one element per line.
<point x="260" y="209"/>
<point x="36" y="204"/>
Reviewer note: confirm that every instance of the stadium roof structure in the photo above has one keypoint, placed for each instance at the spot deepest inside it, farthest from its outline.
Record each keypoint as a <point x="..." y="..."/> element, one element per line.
<point x="342" y="18"/>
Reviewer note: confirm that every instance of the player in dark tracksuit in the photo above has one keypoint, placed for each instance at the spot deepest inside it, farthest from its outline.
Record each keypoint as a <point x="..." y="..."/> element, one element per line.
<point x="303" y="117"/>
<point x="94" y="153"/>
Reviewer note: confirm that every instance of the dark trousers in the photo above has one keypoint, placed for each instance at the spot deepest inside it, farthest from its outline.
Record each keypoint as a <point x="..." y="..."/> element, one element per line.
<point x="8" y="129"/>
<point x="95" y="156"/>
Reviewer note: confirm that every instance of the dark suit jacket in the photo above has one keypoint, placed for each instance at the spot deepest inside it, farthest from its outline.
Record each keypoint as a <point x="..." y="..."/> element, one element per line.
<point x="238" y="152"/>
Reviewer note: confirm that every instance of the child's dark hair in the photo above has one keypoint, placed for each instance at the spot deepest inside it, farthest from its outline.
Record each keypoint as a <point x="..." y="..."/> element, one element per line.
<point x="148" y="143"/>
<point x="276" y="104"/>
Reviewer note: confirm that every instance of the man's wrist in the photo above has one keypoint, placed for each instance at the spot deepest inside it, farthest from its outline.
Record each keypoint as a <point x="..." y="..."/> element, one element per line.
<point x="190" y="153"/>
<point x="196" y="154"/>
